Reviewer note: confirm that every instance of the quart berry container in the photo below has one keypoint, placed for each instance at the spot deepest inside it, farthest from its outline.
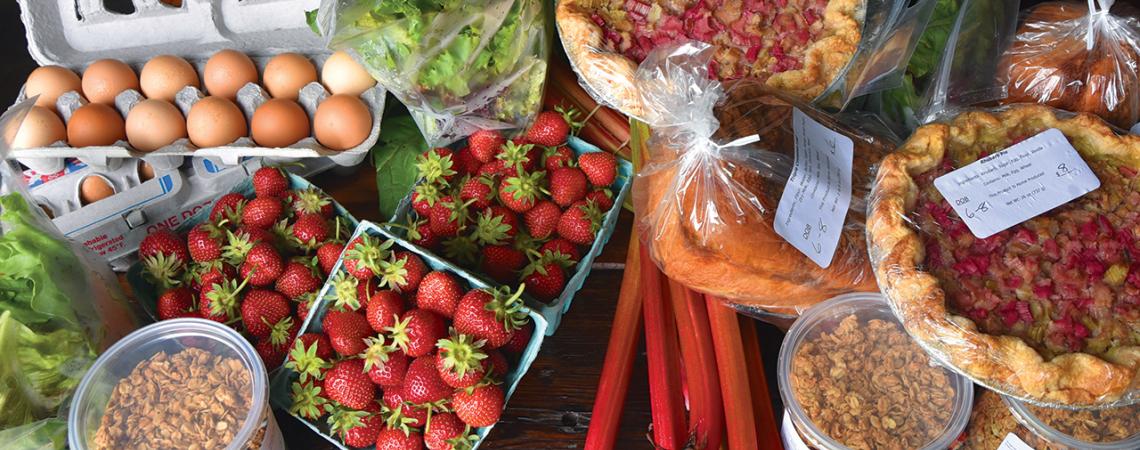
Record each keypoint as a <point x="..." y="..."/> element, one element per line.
<point x="285" y="377"/>
<point x="173" y="336"/>
<point x="554" y="310"/>
<point x="1059" y="439"/>
<point x="824" y="318"/>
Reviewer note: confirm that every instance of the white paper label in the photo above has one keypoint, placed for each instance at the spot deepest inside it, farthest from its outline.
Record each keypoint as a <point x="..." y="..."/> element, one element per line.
<point x="1012" y="442"/>
<point x="790" y="436"/>
<point x="1018" y="183"/>
<point x="815" y="200"/>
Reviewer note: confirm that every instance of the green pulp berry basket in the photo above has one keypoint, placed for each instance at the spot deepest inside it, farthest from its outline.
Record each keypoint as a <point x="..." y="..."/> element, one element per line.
<point x="554" y="310"/>
<point x="279" y="394"/>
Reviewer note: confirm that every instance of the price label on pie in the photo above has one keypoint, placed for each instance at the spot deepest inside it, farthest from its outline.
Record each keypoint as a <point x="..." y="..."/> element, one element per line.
<point x="1017" y="184"/>
<point x="815" y="200"/>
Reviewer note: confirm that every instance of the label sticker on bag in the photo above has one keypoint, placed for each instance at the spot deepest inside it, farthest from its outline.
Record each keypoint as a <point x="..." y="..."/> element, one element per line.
<point x="815" y="200"/>
<point x="1012" y="442"/>
<point x="1017" y="184"/>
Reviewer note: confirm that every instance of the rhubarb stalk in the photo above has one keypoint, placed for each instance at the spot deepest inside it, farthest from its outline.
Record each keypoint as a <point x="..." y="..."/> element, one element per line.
<point x="761" y="403"/>
<point x="706" y="409"/>
<point x="665" y="400"/>
<point x="733" y="370"/>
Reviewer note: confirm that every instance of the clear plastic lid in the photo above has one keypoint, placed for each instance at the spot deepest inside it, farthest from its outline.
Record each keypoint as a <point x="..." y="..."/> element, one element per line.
<point x="172" y="337"/>
<point x="1105" y="429"/>
<point x="829" y="324"/>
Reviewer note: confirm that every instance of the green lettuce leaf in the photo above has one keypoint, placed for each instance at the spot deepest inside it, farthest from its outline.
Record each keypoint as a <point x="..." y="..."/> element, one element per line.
<point x="395" y="159"/>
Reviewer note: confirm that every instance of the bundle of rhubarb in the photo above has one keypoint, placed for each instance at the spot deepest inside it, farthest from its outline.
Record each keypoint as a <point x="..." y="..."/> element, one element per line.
<point x="520" y="210"/>
<point x="255" y="264"/>
<point x="418" y="363"/>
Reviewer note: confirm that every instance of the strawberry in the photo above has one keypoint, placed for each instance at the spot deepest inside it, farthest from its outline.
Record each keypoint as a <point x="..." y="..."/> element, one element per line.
<point x="318" y="342"/>
<point x="561" y="245"/>
<point x="496" y="364"/>
<point x="549" y="129"/>
<point x="208" y="273"/>
<point x="519" y="339"/>
<point x="600" y="168"/>
<point x="419" y="232"/>
<point x="346" y="331"/>
<point x="310" y="355"/>
<point x="204" y="242"/>
<point x="601" y="197"/>
<point x="311" y="201"/>
<point x="262" y="265"/>
<point x="175" y="303"/>
<point x="542" y="219"/>
<point x="262" y="212"/>
<point x="347" y="383"/>
<point x="439" y="293"/>
<point x="580" y="223"/>
<point x="363" y="255"/>
<point x="228" y="207"/>
<point x="272" y="355"/>
<point x="219" y="302"/>
<point x="519" y="193"/>
<point x="479" y="406"/>
<point x="385" y="365"/>
<point x="239" y="242"/>
<point x="465" y="162"/>
<point x="365" y="290"/>
<point x="327" y="256"/>
<point x="492" y="228"/>
<point x="567" y="185"/>
<point x="490" y="315"/>
<point x="260" y="309"/>
<point x="307" y="400"/>
<point x="422" y="383"/>
<point x="478" y="190"/>
<point x="304" y="304"/>
<point x="557" y="157"/>
<point x="496" y="168"/>
<point x="447" y="217"/>
<point x="404" y="271"/>
<point x="164" y="257"/>
<point x="384" y="309"/>
<point x="505" y="216"/>
<point x="310" y="230"/>
<point x="395" y="439"/>
<point x="356" y="428"/>
<point x="443" y="429"/>
<point x="544" y="278"/>
<point x="485" y="144"/>
<point x="346" y="292"/>
<point x="297" y="279"/>
<point x="424" y="197"/>
<point x="270" y="182"/>
<point x="460" y="360"/>
<point x="436" y="165"/>
<point x="501" y="262"/>
<point x="417" y="331"/>
<point x="461" y="249"/>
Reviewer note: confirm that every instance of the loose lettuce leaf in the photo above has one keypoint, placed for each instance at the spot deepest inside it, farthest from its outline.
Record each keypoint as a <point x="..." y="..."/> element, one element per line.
<point x="395" y="157"/>
<point x="30" y="262"/>
<point x="38" y="370"/>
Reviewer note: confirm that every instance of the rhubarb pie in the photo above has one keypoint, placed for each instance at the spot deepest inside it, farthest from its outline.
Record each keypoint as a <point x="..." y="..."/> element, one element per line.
<point x="796" y="46"/>
<point x="1047" y="310"/>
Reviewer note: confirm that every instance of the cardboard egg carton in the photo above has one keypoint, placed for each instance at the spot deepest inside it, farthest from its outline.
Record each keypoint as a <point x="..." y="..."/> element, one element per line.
<point x="75" y="33"/>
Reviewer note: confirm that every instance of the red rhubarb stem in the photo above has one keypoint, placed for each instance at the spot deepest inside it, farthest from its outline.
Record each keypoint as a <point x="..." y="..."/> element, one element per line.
<point x="706" y="408"/>
<point x="665" y="401"/>
<point x="733" y="370"/>
<point x="766" y="424"/>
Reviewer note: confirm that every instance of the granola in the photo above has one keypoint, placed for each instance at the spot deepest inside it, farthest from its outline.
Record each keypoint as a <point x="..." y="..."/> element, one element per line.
<point x="991" y="421"/>
<point x="1108" y="425"/>
<point x="190" y="400"/>
<point x="868" y="386"/>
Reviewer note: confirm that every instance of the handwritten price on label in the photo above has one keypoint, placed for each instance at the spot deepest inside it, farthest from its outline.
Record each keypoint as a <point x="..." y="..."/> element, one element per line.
<point x="984" y="207"/>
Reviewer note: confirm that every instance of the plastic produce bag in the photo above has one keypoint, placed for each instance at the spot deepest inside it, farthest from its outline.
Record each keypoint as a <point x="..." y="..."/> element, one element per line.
<point x="59" y="307"/>
<point x="720" y="159"/>
<point x="1077" y="57"/>
<point x="458" y="66"/>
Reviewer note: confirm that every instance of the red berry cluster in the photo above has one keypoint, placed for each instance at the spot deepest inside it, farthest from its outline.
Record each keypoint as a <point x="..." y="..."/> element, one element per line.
<point x="518" y="210"/>
<point x="417" y="362"/>
<point x="255" y="264"/>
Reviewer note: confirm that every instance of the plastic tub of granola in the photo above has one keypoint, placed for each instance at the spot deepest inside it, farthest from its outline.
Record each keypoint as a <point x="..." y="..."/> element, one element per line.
<point x="184" y="383"/>
<point x="850" y="377"/>
<point x="1089" y="429"/>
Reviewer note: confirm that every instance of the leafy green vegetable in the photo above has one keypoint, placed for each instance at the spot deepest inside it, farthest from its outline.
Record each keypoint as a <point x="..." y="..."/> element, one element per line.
<point x="311" y="19"/>
<point x="933" y="40"/>
<point x="38" y="370"/>
<point x="395" y="159"/>
<point x="48" y="434"/>
<point x="30" y="259"/>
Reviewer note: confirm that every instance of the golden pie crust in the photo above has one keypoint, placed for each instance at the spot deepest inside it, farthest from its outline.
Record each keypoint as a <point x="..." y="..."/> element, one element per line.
<point x="611" y="74"/>
<point x="1003" y="362"/>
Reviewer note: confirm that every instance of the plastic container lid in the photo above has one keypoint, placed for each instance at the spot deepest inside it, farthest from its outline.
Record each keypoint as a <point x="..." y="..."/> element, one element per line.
<point x="1021" y="411"/>
<point x="170" y="336"/>
<point x="824" y="317"/>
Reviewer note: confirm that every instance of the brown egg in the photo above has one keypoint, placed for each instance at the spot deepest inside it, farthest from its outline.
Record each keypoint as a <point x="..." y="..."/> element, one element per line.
<point x="106" y="78"/>
<point x="163" y="76"/>
<point x="146" y="171"/>
<point x="227" y="72"/>
<point x="153" y="124"/>
<point x="214" y="122"/>
<point x="279" y="123"/>
<point x="49" y="82"/>
<point x="342" y="122"/>
<point x="287" y="73"/>
<point x="93" y="189"/>
<point x="41" y="127"/>
<point x="343" y="75"/>
<point x="95" y="124"/>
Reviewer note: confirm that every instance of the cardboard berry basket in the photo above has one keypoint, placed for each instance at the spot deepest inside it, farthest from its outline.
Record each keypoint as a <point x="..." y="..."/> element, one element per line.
<point x="554" y="310"/>
<point x="147" y="294"/>
<point x="280" y="385"/>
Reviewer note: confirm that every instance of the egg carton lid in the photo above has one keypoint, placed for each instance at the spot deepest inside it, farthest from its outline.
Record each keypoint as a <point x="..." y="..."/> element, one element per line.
<point x="74" y="33"/>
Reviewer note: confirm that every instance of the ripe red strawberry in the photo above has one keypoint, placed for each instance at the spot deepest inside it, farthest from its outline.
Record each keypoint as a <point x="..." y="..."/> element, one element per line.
<point x="365" y="290"/>
<point x="219" y="302"/>
<point x="561" y="245"/>
<point x="272" y="355"/>
<point x="327" y="256"/>
<point x="323" y="349"/>
<point x="549" y="129"/>
<point x="557" y="157"/>
<point x="424" y="197"/>
<point x="356" y="429"/>
<point x="420" y="233"/>
<point x="404" y="271"/>
<point x="208" y="274"/>
<point x="480" y="406"/>
<point x="439" y="292"/>
<point x="496" y="168"/>
<point x="478" y="191"/>
<point x="444" y="427"/>
<point x="544" y="279"/>
<point x="362" y="256"/>
<point x="496" y="364"/>
<point x="600" y="168"/>
<point x="384" y="309"/>
<point x="347" y="383"/>
<point x="542" y="219"/>
<point x="461" y="250"/>
<point x="436" y="165"/>
<point x="501" y="215"/>
<point x="580" y="223"/>
<point x="490" y="315"/>
<point x="346" y="331"/>
<point x="228" y="207"/>
<point x="465" y="162"/>
<point x="310" y="230"/>
<point x="346" y="292"/>
<point x="261" y="309"/>
<point x="519" y="339"/>
<point x="396" y="439"/>
<point x="310" y="201"/>
<point x="386" y="366"/>
<point x="417" y="331"/>
<point x="164" y="257"/>
<point x="204" y="242"/>
<point x="310" y="356"/>
<point x="262" y="212"/>
<point x="297" y="279"/>
<point x="262" y="265"/>
<point x="422" y="383"/>
<point x="519" y="193"/>
<point x="601" y="197"/>
<point x="567" y="185"/>
<point x="177" y="302"/>
<point x="447" y="217"/>
<point x="270" y="182"/>
<point x="304" y="304"/>
<point x="501" y="262"/>
<point x="485" y="144"/>
<point x="460" y="360"/>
